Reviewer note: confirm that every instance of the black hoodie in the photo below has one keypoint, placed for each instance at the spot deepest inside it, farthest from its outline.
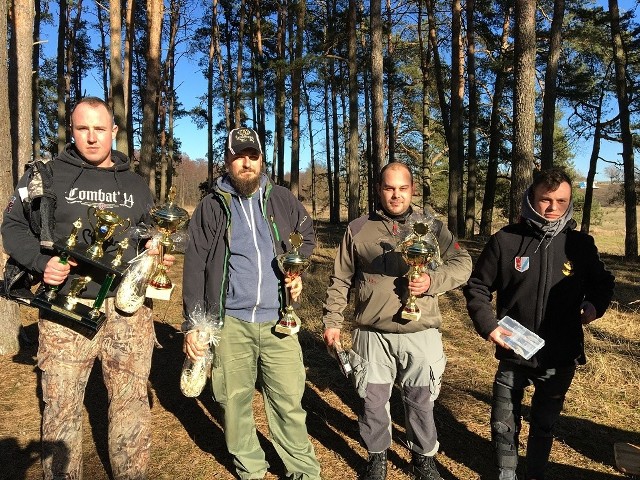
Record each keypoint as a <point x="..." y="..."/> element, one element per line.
<point x="77" y="185"/>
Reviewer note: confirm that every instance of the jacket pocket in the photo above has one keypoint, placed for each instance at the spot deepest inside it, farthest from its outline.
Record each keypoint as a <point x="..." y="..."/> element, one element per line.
<point x="359" y="378"/>
<point x="436" y="370"/>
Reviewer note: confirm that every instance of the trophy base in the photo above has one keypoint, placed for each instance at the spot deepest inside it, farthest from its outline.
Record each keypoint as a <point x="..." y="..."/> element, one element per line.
<point x="159" y="293"/>
<point x="287" y="329"/>
<point x="413" y="316"/>
<point x="82" y="319"/>
<point x="104" y="262"/>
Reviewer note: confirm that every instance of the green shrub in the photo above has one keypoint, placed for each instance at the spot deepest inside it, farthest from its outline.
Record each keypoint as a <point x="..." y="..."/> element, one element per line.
<point x="578" y="207"/>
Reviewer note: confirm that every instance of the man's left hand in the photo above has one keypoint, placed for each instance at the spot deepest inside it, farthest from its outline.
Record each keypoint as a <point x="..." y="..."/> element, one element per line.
<point x="295" y="287"/>
<point x="167" y="258"/>
<point x="587" y="313"/>
<point x="420" y="285"/>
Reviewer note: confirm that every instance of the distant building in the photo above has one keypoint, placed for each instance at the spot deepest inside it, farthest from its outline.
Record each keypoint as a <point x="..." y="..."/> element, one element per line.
<point x="583" y="184"/>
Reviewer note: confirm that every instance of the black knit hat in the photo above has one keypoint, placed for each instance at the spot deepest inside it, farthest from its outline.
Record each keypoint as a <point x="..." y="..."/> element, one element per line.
<point x="241" y="139"/>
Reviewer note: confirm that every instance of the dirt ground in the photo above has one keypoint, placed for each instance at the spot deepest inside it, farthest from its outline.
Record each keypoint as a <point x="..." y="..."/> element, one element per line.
<point x="603" y="405"/>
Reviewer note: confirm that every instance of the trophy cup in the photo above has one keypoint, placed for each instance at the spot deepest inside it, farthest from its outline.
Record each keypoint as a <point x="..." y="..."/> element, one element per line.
<point x="416" y="253"/>
<point x="169" y="218"/>
<point x="66" y="309"/>
<point x="291" y="264"/>
<point x="105" y="227"/>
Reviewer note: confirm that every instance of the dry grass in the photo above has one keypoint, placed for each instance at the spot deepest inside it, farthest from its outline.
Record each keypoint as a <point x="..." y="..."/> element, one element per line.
<point x="602" y="407"/>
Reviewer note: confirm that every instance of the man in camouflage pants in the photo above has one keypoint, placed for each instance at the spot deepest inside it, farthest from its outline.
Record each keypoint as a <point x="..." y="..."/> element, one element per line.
<point x="86" y="174"/>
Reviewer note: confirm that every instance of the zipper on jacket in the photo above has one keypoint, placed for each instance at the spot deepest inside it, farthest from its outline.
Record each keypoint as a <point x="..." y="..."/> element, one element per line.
<point x="275" y="228"/>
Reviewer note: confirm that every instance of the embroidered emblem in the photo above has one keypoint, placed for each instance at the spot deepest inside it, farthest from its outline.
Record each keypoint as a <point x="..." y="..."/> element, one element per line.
<point x="567" y="268"/>
<point x="521" y="264"/>
<point x="10" y="205"/>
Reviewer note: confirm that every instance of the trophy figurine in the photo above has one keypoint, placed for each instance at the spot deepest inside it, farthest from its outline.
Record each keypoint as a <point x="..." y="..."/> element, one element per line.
<point x="416" y="253"/>
<point x="169" y="218"/>
<point x="105" y="227"/>
<point x="77" y="285"/>
<point x="291" y="264"/>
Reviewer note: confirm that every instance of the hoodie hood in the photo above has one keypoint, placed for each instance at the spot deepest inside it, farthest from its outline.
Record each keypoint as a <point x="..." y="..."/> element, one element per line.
<point x="548" y="228"/>
<point x="71" y="155"/>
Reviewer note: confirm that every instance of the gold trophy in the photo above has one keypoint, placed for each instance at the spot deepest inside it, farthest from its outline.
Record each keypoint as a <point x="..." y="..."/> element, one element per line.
<point x="77" y="285"/>
<point x="66" y="309"/>
<point x="291" y="264"/>
<point x="105" y="227"/>
<point x="169" y="218"/>
<point x="416" y="253"/>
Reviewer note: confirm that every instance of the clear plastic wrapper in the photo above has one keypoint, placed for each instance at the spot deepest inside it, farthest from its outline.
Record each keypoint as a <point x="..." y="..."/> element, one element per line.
<point x="195" y="373"/>
<point x="132" y="289"/>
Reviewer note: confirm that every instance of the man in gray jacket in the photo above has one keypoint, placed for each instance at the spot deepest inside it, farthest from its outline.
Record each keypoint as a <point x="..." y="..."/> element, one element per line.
<point x="230" y="270"/>
<point x="387" y="347"/>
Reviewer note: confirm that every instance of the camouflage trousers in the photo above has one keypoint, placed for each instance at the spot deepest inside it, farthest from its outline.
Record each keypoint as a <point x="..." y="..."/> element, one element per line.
<point x="124" y="346"/>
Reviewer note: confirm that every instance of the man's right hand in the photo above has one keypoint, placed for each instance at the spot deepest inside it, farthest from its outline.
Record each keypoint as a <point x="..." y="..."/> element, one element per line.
<point x="331" y="335"/>
<point x="496" y="337"/>
<point x="57" y="272"/>
<point x="192" y="347"/>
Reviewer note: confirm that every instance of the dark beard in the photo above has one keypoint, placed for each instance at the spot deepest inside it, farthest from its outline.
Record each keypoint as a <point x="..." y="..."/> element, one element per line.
<point x="245" y="187"/>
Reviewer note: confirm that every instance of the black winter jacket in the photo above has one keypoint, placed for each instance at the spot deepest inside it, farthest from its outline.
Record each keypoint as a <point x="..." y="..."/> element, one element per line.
<point x="541" y="284"/>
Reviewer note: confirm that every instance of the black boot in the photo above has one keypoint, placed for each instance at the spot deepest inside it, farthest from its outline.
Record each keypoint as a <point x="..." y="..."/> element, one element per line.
<point x="424" y="467"/>
<point x="376" y="468"/>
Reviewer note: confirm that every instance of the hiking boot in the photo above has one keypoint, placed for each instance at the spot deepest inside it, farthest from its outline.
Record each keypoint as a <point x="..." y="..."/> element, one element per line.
<point x="424" y="467"/>
<point x="376" y="468"/>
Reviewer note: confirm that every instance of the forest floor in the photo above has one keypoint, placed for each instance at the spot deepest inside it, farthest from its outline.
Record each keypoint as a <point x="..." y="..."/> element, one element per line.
<point x="602" y="406"/>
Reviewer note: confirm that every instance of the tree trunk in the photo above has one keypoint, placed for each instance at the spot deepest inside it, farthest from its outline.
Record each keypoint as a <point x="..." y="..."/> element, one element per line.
<point x="128" y="76"/>
<point x="61" y="83"/>
<point x="237" y="101"/>
<point x="353" y="177"/>
<point x="630" y="197"/>
<point x="9" y="312"/>
<point x="307" y="101"/>
<point x="260" y="69"/>
<point x="296" y="78"/>
<point x="455" y="218"/>
<point x="391" y="76"/>
<point x="104" y="69"/>
<point x="378" y="140"/>
<point x="336" y="145"/>
<point x="425" y="60"/>
<point x="550" y="87"/>
<point x="327" y="141"/>
<point x="23" y="15"/>
<point x="115" y="73"/>
<point x="35" y="85"/>
<point x="523" y="104"/>
<point x="149" y="109"/>
<point x="495" y="132"/>
<point x="472" y="160"/>
<point x="74" y="74"/>
<point x="593" y="162"/>
<point x="280" y="92"/>
<point x="437" y="65"/>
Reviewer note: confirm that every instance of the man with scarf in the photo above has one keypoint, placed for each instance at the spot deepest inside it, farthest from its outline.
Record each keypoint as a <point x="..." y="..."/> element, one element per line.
<point x="385" y="347"/>
<point x="549" y="278"/>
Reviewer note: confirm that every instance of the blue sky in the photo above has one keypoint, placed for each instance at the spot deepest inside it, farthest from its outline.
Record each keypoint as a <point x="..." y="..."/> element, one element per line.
<point x="191" y="84"/>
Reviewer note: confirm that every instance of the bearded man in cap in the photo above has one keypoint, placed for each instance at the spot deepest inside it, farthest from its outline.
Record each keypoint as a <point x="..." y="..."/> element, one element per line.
<point x="230" y="269"/>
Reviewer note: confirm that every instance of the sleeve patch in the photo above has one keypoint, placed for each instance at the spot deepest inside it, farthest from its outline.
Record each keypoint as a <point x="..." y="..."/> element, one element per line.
<point x="11" y="203"/>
